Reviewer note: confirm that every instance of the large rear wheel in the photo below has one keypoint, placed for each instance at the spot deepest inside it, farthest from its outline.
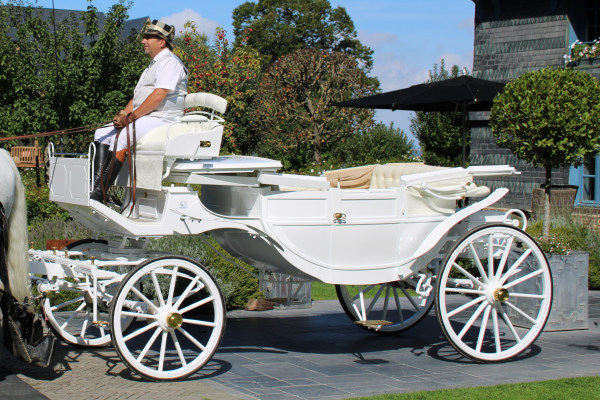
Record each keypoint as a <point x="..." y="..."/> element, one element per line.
<point x="494" y="293"/>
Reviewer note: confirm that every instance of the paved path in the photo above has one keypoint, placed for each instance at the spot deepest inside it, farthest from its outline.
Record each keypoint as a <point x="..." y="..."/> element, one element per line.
<point x="313" y="353"/>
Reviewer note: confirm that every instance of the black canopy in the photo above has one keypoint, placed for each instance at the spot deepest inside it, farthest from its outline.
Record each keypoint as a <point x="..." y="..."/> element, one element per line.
<point x="464" y="93"/>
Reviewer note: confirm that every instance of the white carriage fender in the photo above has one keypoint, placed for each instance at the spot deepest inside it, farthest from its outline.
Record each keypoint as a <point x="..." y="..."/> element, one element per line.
<point x="436" y="235"/>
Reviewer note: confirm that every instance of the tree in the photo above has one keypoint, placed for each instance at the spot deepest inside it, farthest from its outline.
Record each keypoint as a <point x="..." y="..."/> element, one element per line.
<point x="378" y="145"/>
<point x="549" y="118"/>
<point x="51" y="82"/>
<point x="232" y="72"/>
<point x="440" y="133"/>
<point x="283" y="26"/>
<point x="293" y="111"/>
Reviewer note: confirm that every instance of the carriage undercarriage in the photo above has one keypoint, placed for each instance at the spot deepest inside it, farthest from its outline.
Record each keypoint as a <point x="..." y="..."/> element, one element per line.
<point x="394" y="251"/>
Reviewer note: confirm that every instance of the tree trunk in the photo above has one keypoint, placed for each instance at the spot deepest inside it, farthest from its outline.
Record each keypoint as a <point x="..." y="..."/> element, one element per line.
<point x="546" y="219"/>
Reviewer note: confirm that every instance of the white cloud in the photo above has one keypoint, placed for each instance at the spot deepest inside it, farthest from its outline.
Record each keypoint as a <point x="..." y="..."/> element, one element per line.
<point x="465" y="60"/>
<point x="467" y="24"/>
<point x="203" y="25"/>
<point x="377" y="40"/>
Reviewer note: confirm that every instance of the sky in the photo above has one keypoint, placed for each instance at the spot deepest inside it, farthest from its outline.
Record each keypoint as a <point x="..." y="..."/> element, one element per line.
<point x="408" y="36"/>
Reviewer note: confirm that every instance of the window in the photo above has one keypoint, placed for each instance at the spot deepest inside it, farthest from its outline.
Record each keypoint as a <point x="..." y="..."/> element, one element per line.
<point x="587" y="177"/>
<point x="592" y="20"/>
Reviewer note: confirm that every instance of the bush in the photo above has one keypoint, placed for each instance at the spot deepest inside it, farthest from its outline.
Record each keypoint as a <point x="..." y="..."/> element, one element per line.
<point x="237" y="285"/>
<point x="569" y="235"/>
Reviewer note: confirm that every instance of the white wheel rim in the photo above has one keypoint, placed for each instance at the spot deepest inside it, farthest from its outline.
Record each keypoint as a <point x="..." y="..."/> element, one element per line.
<point x="493" y="314"/>
<point x="393" y="302"/>
<point x="162" y="346"/>
<point x="76" y="326"/>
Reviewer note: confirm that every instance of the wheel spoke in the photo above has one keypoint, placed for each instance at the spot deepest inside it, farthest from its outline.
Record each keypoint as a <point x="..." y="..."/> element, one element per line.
<point x="141" y="296"/>
<point x="146" y="348"/>
<point x="192" y="339"/>
<point x="496" y="330"/>
<point x="66" y="303"/>
<point x="161" y="301"/>
<point x="138" y="315"/>
<point x="528" y="295"/>
<point x="508" y="323"/>
<point x="198" y="322"/>
<point x="517" y="309"/>
<point x="73" y="315"/>
<point x="186" y="292"/>
<point x="386" y="302"/>
<point x="410" y="299"/>
<point x="364" y="291"/>
<point x="172" y="285"/>
<point x="196" y="304"/>
<point x="163" y="349"/>
<point x="468" y="275"/>
<point x="84" y="326"/>
<point x="478" y="263"/>
<point x="374" y="300"/>
<point x="178" y="348"/>
<point x="466" y="306"/>
<point x="463" y="291"/>
<point x="473" y="318"/>
<point x="140" y="331"/>
<point x="524" y="278"/>
<point x="516" y="265"/>
<point x="490" y="258"/>
<point x="398" y="304"/>
<point x="504" y="258"/>
<point x="483" y="327"/>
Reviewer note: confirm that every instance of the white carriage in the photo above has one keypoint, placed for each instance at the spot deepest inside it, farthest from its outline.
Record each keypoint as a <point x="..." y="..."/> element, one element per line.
<point x="394" y="246"/>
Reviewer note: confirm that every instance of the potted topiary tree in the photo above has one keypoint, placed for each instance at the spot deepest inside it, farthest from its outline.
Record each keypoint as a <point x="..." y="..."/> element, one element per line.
<point x="550" y="118"/>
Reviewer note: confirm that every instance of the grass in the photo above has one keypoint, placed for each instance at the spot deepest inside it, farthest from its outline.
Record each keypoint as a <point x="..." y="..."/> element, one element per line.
<point x="560" y="389"/>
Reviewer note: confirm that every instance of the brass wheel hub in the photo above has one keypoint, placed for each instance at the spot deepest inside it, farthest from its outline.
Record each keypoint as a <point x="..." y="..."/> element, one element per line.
<point x="501" y="295"/>
<point x="174" y="320"/>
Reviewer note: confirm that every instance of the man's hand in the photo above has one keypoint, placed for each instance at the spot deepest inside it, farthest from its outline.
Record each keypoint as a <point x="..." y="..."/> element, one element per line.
<point x="120" y="120"/>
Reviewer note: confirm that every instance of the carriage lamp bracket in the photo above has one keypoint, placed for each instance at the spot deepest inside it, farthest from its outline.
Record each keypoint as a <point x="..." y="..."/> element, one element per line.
<point x="424" y="287"/>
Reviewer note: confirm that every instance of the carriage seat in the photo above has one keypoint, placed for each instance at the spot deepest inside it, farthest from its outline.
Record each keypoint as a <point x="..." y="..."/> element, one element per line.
<point x="430" y="190"/>
<point x="196" y="136"/>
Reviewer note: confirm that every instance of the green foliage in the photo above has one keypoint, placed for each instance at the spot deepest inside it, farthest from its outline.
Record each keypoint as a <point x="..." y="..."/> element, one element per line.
<point x="281" y="27"/>
<point x="292" y="108"/>
<point x="49" y="82"/>
<point x="237" y="285"/>
<point x="232" y="72"/>
<point x="39" y="206"/>
<point x="566" y="236"/>
<point x="440" y="133"/>
<point x="379" y="145"/>
<point x="549" y="118"/>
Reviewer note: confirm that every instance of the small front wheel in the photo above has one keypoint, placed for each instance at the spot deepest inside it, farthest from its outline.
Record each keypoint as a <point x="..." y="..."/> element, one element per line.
<point x="494" y="293"/>
<point x="179" y="318"/>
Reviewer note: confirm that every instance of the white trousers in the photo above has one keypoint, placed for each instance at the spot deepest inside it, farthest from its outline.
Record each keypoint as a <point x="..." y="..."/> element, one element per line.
<point x="107" y="133"/>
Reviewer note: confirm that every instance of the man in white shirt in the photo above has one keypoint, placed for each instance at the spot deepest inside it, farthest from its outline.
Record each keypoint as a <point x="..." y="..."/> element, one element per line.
<point x="158" y="99"/>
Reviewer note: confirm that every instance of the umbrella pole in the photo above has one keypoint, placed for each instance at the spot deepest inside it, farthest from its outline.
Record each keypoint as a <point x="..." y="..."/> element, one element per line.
<point x="464" y="135"/>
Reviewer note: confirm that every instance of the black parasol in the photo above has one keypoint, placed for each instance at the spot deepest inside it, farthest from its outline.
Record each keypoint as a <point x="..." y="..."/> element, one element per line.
<point x="464" y="93"/>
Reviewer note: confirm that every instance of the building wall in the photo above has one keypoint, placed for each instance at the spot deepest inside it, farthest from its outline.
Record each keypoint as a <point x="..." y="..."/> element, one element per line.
<point x="513" y="37"/>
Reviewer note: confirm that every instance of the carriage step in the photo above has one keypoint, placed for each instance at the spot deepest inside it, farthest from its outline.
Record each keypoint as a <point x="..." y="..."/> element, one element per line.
<point x="100" y="324"/>
<point x="373" y="323"/>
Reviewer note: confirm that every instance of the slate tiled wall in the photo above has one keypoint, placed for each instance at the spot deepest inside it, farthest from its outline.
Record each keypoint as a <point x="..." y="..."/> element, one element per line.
<point x="511" y="38"/>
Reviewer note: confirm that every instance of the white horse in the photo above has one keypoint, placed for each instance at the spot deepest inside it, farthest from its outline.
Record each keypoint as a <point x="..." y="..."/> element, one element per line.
<point x="12" y="196"/>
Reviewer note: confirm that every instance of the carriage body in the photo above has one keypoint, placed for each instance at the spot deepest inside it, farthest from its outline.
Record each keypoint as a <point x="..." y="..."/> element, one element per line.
<point x="396" y="234"/>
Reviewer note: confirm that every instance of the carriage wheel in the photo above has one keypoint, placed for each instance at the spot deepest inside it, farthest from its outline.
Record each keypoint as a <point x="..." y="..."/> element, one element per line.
<point x="69" y="312"/>
<point x="494" y="293"/>
<point x="395" y="304"/>
<point x="180" y="318"/>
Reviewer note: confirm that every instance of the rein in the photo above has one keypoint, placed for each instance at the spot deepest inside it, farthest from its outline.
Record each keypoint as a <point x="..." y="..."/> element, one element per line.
<point x="80" y="129"/>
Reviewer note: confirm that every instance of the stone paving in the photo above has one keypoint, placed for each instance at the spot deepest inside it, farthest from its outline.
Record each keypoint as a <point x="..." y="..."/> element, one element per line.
<point x="313" y="353"/>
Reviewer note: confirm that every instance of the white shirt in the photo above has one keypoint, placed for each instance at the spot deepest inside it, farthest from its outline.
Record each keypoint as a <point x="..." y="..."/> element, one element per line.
<point x="166" y="71"/>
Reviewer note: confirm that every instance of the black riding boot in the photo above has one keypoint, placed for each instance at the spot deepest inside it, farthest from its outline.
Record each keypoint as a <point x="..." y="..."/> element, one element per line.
<point x="109" y="175"/>
<point x="100" y="159"/>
